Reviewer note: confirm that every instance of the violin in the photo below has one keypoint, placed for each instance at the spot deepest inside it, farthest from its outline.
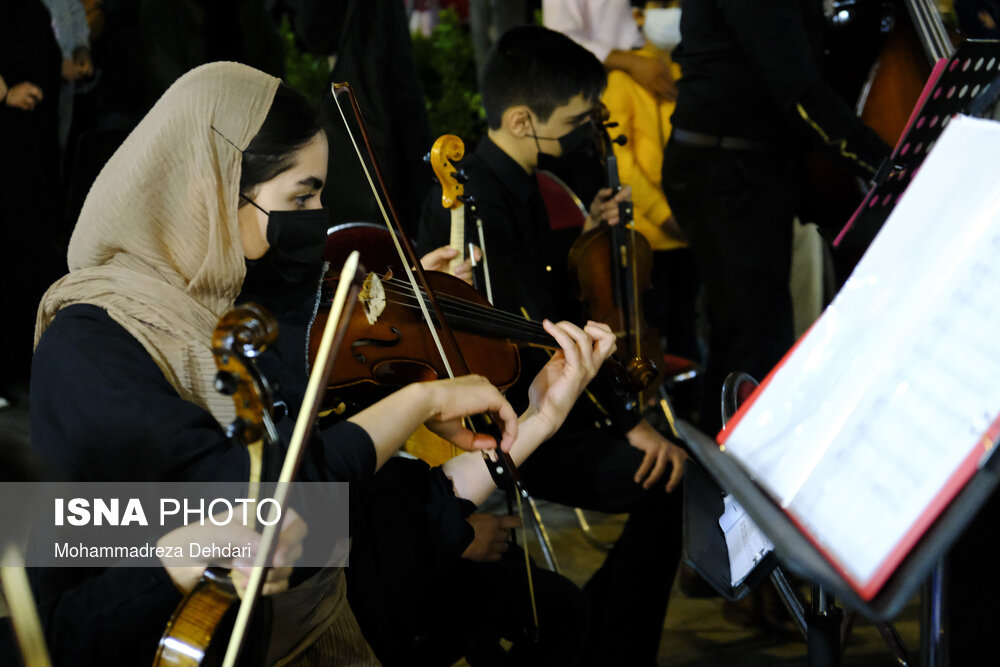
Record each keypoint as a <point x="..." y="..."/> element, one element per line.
<point x="387" y="341"/>
<point x="499" y="463"/>
<point x="610" y="268"/>
<point x="448" y="149"/>
<point x="197" y="632"/>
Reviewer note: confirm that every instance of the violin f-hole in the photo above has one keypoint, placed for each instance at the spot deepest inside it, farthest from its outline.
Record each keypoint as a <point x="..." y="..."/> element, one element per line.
<point x="374" y="342"/>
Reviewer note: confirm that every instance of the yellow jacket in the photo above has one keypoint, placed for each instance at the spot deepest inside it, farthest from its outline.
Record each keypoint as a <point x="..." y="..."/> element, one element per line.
<point x="646" y="124"/>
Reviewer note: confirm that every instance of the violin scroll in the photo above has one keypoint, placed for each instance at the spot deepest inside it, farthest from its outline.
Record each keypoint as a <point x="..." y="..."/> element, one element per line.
<point x="448" y="149"/>
<point x="241" y="335"/>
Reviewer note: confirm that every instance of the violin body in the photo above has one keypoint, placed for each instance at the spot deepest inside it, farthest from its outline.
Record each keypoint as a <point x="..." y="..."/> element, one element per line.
<point x="597" y="262"/>
<point x="380" y="357"/>
<point x="198" y="630"/>
<point x="395" y="350"/>
<point x="610" y="269"/>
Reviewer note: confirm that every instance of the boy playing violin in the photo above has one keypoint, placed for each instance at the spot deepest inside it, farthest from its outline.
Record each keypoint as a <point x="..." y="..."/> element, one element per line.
<point x="539" y="91"/>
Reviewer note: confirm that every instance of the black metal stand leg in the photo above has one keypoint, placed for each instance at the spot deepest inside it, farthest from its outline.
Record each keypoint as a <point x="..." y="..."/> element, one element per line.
<point x="823" y="642"/>
<point x="895" y="644"/>
<point x="588" y="532"/>
<point x="823" y="648"/>
<point x="790" y="598"/>
<point x="933" y="633"/>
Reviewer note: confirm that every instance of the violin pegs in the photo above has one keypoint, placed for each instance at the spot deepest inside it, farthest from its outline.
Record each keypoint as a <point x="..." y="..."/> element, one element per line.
<point x="427" y="158"/>
<point x="460" y="176"/>
<point x="226" y="383"/>
<point x="621" y="140"/>
<point x="236" y="428"/>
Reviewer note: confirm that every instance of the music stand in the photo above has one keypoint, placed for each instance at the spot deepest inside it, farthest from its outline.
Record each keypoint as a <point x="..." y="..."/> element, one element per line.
<point x="803" y="558"/>
<point x="967" y="82"/>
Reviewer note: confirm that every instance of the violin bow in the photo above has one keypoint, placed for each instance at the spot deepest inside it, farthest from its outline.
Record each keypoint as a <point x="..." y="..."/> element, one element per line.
<point x="23" y="612"/>
<point x="333" y="335"/>
<point x="503" y="467"/>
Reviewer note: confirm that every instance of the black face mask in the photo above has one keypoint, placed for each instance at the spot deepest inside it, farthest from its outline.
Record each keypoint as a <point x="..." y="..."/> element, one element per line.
<point x="297" y="242"/>
<point x="573" y="142"/>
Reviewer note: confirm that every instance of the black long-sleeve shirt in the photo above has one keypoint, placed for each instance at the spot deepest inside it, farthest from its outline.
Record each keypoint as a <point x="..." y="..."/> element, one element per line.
<point x="103" y="411"/>
<point x="750" y="70"/>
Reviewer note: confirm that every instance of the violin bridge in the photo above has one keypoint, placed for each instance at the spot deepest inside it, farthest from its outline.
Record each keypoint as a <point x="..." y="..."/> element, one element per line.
<point x="372" y="297"/>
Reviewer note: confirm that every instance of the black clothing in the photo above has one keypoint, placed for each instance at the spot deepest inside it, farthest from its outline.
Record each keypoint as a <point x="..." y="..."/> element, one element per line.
<point x="419" y="603"/>
<point x="30" y="211"/>
<point x="371" y="41"/>
<point x="750" y="71"/>
<point x="736" y="209"/>
<point x="179" y="35"/>
<point x="588" y="463"/>
<point x="102" y="410"/>
<point x="750" y="74"/>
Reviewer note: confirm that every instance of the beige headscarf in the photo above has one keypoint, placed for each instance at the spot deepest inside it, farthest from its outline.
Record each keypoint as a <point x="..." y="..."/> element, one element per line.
<point x="157" y="244"/>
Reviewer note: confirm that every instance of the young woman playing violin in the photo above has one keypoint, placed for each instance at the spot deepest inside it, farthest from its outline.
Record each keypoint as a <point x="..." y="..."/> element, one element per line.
<point x="214" y="199"/>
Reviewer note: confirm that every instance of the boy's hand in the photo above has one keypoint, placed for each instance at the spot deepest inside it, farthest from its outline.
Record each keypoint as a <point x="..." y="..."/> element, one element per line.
<point x="658" y="453"/>
<point x="605" y="207"/>
<point x="492" y="536"/>
<point x="440" y="259"/>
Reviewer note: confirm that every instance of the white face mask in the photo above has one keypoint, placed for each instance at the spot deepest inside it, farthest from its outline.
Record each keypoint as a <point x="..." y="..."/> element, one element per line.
<point x="662" y="27"/>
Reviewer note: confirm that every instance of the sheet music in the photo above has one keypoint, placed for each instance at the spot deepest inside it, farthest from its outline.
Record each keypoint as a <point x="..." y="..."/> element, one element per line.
<point x="891" y="391"/>
<point x="745" y="542"/>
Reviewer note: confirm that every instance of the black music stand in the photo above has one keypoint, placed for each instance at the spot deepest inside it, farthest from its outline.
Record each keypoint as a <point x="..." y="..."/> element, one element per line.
<point x="968" y="82"/>
<point x="803" y="558"/>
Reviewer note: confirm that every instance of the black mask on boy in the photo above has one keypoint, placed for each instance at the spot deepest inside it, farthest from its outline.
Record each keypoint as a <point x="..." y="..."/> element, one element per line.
<point x="571" y="143"/>
<point x="297" y="240"/>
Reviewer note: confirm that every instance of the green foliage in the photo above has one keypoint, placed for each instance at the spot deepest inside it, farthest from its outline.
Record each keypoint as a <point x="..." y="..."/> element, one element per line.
<point x="304" y="71"/>
<point x="447" y="68"/>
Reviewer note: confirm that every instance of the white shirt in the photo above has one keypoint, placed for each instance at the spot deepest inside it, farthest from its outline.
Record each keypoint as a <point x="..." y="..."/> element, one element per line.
<point x="600" y="26"/>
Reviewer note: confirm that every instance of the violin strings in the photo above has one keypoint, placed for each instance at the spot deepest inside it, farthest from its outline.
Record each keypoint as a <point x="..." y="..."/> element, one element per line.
<point x="385" y="216"/>
<point x="459" y="307"/>
<point x="473" y="308"/>
<point x="520" y="329"/>
<point x="514" y="329"/>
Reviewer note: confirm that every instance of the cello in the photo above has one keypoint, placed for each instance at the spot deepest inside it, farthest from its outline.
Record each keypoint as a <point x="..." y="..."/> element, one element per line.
<point x="880" y="54"/>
